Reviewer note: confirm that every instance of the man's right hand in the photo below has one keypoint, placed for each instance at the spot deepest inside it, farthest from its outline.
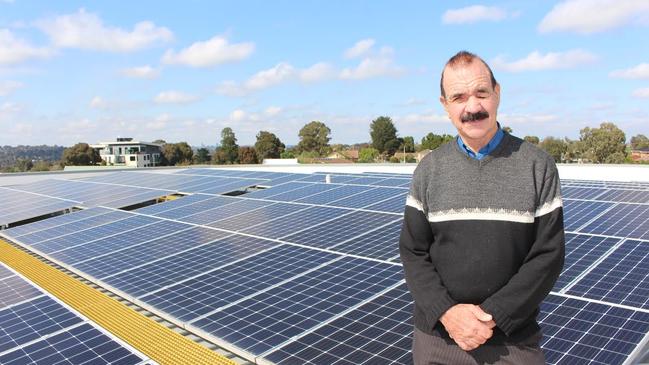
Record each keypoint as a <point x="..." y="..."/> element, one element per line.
<point x="468" y="325"/>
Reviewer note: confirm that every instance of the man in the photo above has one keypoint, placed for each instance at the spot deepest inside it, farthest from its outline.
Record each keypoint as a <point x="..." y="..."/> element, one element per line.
<point x="482" y="241"/>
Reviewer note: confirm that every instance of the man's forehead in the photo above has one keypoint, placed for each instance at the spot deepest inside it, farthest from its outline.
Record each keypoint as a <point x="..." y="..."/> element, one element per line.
<point x="473" y="75"/>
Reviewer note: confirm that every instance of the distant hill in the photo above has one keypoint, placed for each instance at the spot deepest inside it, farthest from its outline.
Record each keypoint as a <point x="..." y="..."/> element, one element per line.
<point x="9" y="154"/>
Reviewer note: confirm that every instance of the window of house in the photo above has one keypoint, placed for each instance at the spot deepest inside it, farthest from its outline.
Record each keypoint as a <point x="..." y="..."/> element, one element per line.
<point x="132" y="158"/>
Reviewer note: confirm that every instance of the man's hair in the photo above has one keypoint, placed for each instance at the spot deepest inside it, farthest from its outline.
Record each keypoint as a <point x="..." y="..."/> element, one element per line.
<point x="460" y="59"/>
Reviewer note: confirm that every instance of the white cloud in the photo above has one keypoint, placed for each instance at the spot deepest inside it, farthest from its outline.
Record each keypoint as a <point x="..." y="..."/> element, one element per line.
<point x="273" y="111"/>
<point x="640" y="71"/>
<point x="98" y="103"/>
<point x="473" y="14"/>
<point x="14" y="50"/>
<point x="214" y="51"/>
<point x="537" y="61"/>
<point x="9" y="86"/>
<point x="360" y="48"/>
<point x="372" y="67"/>
<point x="261" y="80"/>
<point x="159" y="122"/>
<point x="87" y="31"/>
<point x="318" y="72"/>
<point x="641" y="93"/>
<point x="592" y="16"/>
<point x="527" y="118"/>
<point x="142" y="72"/>
<point x="9" y="107"/>
<point x="238" y="115"/>
<point x="174" y="97"/>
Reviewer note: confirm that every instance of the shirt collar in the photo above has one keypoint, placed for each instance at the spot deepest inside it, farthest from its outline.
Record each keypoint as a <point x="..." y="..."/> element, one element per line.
<point x="484" y="151"/>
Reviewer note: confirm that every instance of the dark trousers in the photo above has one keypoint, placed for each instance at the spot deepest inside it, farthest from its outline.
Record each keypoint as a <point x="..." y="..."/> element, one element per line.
<point x="434" y="350"/>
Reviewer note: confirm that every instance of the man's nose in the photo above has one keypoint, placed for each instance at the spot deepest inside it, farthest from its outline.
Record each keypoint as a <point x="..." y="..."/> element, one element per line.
<point x="473" y="105"/>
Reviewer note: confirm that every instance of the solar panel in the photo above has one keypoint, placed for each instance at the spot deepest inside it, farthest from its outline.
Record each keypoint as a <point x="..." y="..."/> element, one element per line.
<point x="393" y="205"/>
<point x="15" y="290"/>
<point x="571" y="192"/>
<point x="622" y="277"/>
<point x="382" y="243"/>
<point x="576" y="213"/>
<point x="303" y="192"/>
<point x="295" y="222"/>
<point x="132" y="256"/>
<point x="201" y="295"/>
<point x="156" y="274"/>
<point x="79" y="345"/>
<point x="197" y="207"/>
<point x="56" y="221"/>
<point x="378" y="332"/>
<point x="341" y="229"/>
<point x="256" y="216"/>
<point x="368" y="197"/>
<point x="274" y="316"/>
<point x="223" y="212"/>
<point x="579" y="332"/>
<point x="277" y="189"/>
<point x="340" y="192"/>
<point x="627" y="196"/>
<point x="581" y="252"/>
<point x="622" y="220"/>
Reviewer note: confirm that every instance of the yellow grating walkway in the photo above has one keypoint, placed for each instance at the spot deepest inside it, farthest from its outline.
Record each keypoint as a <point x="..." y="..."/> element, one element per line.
<point x="152" y="339"/>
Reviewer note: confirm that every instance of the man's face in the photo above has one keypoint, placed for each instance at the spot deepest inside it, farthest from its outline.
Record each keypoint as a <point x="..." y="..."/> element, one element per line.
<point x="471" y="102"/>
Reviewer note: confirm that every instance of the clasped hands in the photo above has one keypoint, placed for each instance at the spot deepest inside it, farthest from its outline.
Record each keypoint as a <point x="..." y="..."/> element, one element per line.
<point x="468" y="325"/>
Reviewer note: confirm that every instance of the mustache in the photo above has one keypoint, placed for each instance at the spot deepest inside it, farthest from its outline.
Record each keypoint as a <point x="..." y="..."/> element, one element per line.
<point x="470" y="117"/>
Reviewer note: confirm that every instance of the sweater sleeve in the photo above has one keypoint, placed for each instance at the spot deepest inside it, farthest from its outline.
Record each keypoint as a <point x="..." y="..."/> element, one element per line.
<point x="422" y="278"/>
<point x="516" y="302"/>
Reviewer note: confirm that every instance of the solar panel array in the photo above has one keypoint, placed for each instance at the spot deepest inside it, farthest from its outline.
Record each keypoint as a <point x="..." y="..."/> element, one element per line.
<point x="308" y="272"/>
<point x="36" y="328"/>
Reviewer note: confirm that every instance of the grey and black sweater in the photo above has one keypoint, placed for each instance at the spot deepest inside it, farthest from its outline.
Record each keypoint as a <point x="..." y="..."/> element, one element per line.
<point x="486" y="232"/>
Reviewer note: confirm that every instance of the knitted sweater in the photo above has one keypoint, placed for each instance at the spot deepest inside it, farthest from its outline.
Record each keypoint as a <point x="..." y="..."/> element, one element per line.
<point x="486" y="232"/>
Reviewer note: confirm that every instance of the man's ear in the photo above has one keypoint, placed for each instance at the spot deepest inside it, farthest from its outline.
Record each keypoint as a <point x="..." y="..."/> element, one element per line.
<point x="442" y="101"/>
<point x="497" y="91"/>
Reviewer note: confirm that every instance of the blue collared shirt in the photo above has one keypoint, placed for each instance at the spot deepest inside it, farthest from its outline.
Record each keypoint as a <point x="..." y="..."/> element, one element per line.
<point x="484" y="151"/>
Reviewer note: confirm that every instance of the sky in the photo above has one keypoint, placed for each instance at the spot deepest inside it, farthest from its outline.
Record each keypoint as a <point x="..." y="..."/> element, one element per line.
<point x="73" y="71"/>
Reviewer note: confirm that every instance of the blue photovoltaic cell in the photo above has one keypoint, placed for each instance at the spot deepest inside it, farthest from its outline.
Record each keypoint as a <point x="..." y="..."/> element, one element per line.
<point x="368" y="197"/>
<point x="306" y="191"/>
<point x="14" y="290"/>
<point x="198" y="207"/>
<point x="236" y="185"/>
<point x="581" y="252"/>
<point x="173" y="204"/>
<point x="580" y="332"/>
<point x="626" y="196"/>
<point x="571" y="192"/>
<point x="55" y="221"/>
<point x="382" y="243"/>
<point x="226" y="211"/>
<point x="206" y="293"/>
<point x="623" y="220"/>
<point x="257" y="216"/>
<point x="576" y="213"/>
<point x="366" y="180"/>
<point x="393" y="182"/>
<point x="199" y="260"/>
<point x="622" y="277"/>
<point x="378" y="332"/>
<point x="80" y="345"/>
<point x="341" y="229"/>
<point x="295" y="222"/>
<point x="150" y="250"/>
<point x="94" y="233"/>
<point x="277" y="189"/>
<point x="93" y="249"/>
<point x="340" y="192"/>
<point x="270" y="318"/>
<point x="392" y="205"/>
<point x="5" y="273"/>
<point x="72" y="227"/>
<point x="32" y="320"/>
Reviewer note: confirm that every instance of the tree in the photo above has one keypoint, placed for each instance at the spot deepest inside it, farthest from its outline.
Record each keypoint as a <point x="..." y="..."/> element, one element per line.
<point x="639" y="141"/>
<point x="368" y="154"/>
<point x="81" y="154"/>
<point x="314" y="137"/>
<point x="605" y="144"/>
<point x="177" y="153"/>
<point x="532" y="139"/>
<point x="384" y="135"/>
<point x="432" y="141"/>
<point x="24" y="164"/>
<point x="574" y="150"/>
<point x="202" y="156"/>
<point x="555" y="147"/>
<point x="287" y="154"/>
<point x="408" y="144"/>
<point x="268" y="146"/>
<point x="247" y="155"/>
<point x="228" y="151"/>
